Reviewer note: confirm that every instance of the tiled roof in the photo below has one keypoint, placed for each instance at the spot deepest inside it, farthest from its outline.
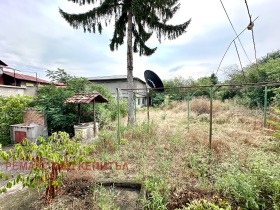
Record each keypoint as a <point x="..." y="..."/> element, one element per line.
<point x="25" y="77"/>
<point x="86" y="98"/>
<point x="30" y="78"/>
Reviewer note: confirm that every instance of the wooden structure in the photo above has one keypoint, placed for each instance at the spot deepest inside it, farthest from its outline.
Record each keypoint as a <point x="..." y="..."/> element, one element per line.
<point x="86" y="98"/>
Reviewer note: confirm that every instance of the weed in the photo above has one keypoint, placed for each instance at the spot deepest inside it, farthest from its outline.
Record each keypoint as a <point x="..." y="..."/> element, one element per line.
<point x="204" y="204"/>
<point x="105" y="198"/>
<point x="157" y="193"/>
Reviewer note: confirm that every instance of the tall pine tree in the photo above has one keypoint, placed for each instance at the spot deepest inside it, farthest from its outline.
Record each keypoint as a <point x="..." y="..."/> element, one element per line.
<point x="136" y="19"/>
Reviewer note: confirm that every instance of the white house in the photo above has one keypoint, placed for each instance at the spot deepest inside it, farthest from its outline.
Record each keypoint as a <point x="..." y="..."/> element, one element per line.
<point x="120" y="81"/>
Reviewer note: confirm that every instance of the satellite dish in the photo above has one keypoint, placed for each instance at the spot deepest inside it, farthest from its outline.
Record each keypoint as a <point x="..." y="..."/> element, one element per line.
<point x="153" y="80"/>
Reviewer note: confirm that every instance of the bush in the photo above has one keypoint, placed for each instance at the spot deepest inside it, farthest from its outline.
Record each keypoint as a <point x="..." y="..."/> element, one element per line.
<point x="157" y="194"/>
<point x="204" y="204"/>
<point x="255" y="186"/>
<point x="47" y="162"/>
<point x="62" y="117"/>
<point x="11" y="112"/>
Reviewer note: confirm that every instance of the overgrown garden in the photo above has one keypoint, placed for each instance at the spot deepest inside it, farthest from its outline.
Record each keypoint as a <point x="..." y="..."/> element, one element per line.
<point x="175" y="164"/>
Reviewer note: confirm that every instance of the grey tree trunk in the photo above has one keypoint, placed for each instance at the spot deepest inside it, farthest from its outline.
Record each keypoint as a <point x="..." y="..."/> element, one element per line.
<point x="130" y="70"/>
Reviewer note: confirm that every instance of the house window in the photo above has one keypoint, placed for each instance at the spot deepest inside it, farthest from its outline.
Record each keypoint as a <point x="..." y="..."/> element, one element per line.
<point x="139" y="101"/>
<point x="144" y="101"/>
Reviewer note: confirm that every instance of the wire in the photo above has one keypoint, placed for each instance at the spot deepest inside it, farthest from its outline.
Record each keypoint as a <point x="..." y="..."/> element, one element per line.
<point x="253" y="38"/>
<point x="255" y="49"/>
<point x="235" y="31"/>
<point x="240" y="62"/>
<point x="230" y="45"/>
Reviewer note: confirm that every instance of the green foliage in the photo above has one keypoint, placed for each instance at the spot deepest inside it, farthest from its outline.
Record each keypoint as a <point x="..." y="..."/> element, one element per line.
<point x="46" y="161"/>
<point x="204" y="204"/>
<point x="157" y="194"/>
<point x="255" y="186"/>
<point x="58" y="75"/>
<point x="200" y="169"/>
<point x="157" y="99"/>
<point x="105" y="198"/>
<point x="11" y="112"/>
<point x="177" y="82"/>
<point x="276" y="134"/>
<point x="62" y="117"/>
<point x="267" y="70"/>
<point x="214" y="79"/>
<point x="276" y="98"/>
<point x="201" y="82"/>
<point x="152" y="15"/>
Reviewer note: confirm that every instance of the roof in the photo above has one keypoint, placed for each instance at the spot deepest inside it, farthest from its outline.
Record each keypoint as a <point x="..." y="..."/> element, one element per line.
<point x="86" y="98"/>
<point x="30" y="78"/>
<point x="25" y="77"/>
<point x="2" y="63"/>
<point x="113" y="77"/>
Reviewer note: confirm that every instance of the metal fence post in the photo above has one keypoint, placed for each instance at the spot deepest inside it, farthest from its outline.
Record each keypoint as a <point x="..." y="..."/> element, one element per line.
<point x="211" y="115"/>
<point x="265" y="106"/>
<point x="135" y="107"/>
<point x="189" y="98"/>
<point x="118" y="108"/>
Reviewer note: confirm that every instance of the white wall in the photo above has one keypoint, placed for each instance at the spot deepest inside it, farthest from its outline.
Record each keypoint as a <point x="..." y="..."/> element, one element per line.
<point x="7" y="90"/>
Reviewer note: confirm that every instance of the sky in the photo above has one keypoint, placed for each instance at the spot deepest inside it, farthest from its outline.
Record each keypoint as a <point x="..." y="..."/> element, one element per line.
<point x="34" y="37"/>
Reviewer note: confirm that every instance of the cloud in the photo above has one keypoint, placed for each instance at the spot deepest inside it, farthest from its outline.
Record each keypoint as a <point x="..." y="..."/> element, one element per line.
<point x="35" y="37"/>
<point x="176" y="68"/>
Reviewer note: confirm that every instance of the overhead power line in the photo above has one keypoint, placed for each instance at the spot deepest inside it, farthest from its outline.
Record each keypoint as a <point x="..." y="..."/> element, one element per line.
<point x="235" y="31"/>
<point x="240" y="62"/>
<point x="250" y="27"/>
<point x="230" y="45"/>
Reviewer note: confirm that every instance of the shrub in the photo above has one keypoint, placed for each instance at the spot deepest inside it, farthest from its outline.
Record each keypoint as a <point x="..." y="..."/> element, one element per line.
<point x="157" y="194"/>
<point x="62" y="117"/>
<point x="204" y="204"/>
<point x="47" y="162"/>
<point x="11" y="112"/>
<point x="255" y="186"/>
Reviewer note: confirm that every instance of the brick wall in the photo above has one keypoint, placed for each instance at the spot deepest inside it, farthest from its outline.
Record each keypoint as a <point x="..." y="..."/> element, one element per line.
<point x="33" y="116"/>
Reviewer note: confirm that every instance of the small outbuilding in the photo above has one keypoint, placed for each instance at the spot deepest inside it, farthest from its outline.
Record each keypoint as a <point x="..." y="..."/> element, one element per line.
<point x="86" y="98"/>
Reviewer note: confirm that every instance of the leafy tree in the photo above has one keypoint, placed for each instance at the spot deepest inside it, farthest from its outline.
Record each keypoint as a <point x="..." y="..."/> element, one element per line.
<point x="214" y="79"/>
<point x="134" y="18"/>
<point x="11" y="112"/>
<point x="268" y="71"/>
<point x="58" y="75"/>
<point x="203" y="81"/>
<point x="176" y="94"/>
<point x="62" y="117"/>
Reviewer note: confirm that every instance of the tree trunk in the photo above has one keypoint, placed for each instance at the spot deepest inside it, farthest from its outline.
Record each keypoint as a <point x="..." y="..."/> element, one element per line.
<point x="130" y="70"/>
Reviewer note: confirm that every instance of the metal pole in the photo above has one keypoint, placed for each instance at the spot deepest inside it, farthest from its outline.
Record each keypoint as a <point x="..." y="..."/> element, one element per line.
<point x="148" y="108"/>
<point x="15" y="83"/>
<point x="94" y="118"/>
<point x="79" y="113"/>
<point x="189" y="98"/>
<point x="118" y="108"/>
<point x="134" y="107"/>
<point x="36" y="80"/>
<point x="211" y="115"/>
<point x="265" y="106"/>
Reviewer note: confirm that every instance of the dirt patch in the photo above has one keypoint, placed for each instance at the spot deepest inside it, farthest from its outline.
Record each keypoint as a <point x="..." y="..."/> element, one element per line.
<point x="19" y="199"/>
<point x="183" y="197"/>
